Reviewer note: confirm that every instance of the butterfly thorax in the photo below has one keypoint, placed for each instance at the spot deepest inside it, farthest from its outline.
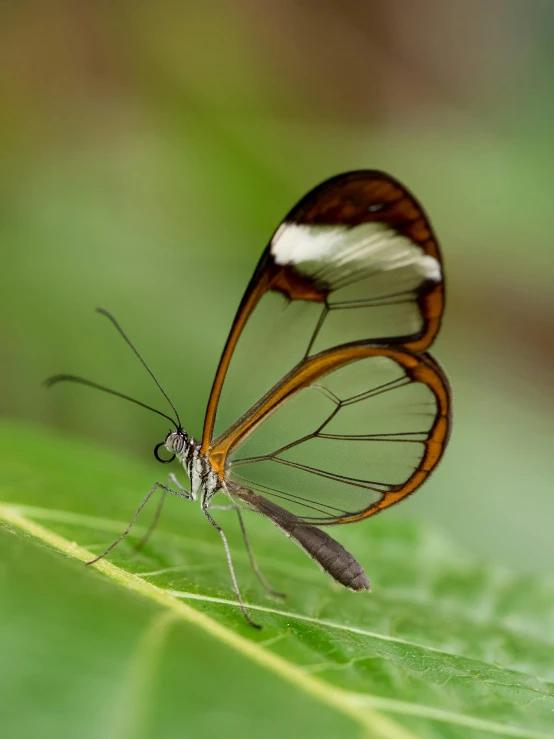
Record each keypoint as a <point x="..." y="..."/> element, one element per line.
<point x="203" y="478"/>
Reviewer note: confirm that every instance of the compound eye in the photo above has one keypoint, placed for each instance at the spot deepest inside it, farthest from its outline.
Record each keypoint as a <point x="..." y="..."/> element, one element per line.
<point x="163" y="461"/>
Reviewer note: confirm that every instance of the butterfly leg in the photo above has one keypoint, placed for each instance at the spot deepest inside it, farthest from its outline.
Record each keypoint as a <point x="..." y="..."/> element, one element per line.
<point x="230" y="565"/>
<point x="183" y="494"/>
<point x="175" y="482"/>
<point x="248" y="546"/>
<point x="253" y="562"/>
<point x="150" y="530"/>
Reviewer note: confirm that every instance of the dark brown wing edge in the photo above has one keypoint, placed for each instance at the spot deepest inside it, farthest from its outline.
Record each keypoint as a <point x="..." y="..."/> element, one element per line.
<point x="350" y="199"/>
<point x="331" y="556"/>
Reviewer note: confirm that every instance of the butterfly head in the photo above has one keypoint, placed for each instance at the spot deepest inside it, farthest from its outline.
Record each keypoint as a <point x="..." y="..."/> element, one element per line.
<point x="175" y="442"/>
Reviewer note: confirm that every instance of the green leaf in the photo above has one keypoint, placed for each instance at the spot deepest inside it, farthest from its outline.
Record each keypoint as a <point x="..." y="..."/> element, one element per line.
<point x="155" y="646"/>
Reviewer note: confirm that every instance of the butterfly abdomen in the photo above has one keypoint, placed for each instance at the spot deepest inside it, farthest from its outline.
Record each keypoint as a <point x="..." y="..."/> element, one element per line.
<point x="331" y="556"/>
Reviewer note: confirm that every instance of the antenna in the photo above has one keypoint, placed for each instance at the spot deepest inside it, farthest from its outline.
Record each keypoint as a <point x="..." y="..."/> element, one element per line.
<point x="108" y="315"/>
<point x="82" y="381"/>
<point x="89" y="383"/>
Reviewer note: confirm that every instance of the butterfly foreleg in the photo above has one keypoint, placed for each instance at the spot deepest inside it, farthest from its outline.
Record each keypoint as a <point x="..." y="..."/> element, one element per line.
<point x="182" y="493"/>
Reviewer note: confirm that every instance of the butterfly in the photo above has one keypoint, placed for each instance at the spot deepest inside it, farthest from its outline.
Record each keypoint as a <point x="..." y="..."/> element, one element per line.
<point x="346" y="414"/>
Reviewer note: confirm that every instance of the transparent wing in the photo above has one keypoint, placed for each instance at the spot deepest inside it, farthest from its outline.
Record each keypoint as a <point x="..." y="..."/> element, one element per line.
<point x="354" y="261"/>
<point x="345" y="435"/>
<point x="330" y="404"/>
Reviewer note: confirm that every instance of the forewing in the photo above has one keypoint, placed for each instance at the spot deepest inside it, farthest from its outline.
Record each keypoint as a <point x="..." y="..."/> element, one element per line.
<point x="354" y="261"/>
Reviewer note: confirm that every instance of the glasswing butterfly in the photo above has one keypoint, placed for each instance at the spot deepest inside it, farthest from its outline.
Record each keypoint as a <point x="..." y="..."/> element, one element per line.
<point x="346" y="413"/>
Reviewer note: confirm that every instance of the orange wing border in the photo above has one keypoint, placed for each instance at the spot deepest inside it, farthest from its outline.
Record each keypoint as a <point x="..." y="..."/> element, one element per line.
<point x="418" y="368"/>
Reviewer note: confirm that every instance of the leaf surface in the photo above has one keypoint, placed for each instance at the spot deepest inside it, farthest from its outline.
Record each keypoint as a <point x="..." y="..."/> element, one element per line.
<point x="153" y="645"/>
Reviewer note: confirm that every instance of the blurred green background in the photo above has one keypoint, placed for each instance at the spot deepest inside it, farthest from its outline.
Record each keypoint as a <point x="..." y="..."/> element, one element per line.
<point x="149" y="150"/>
